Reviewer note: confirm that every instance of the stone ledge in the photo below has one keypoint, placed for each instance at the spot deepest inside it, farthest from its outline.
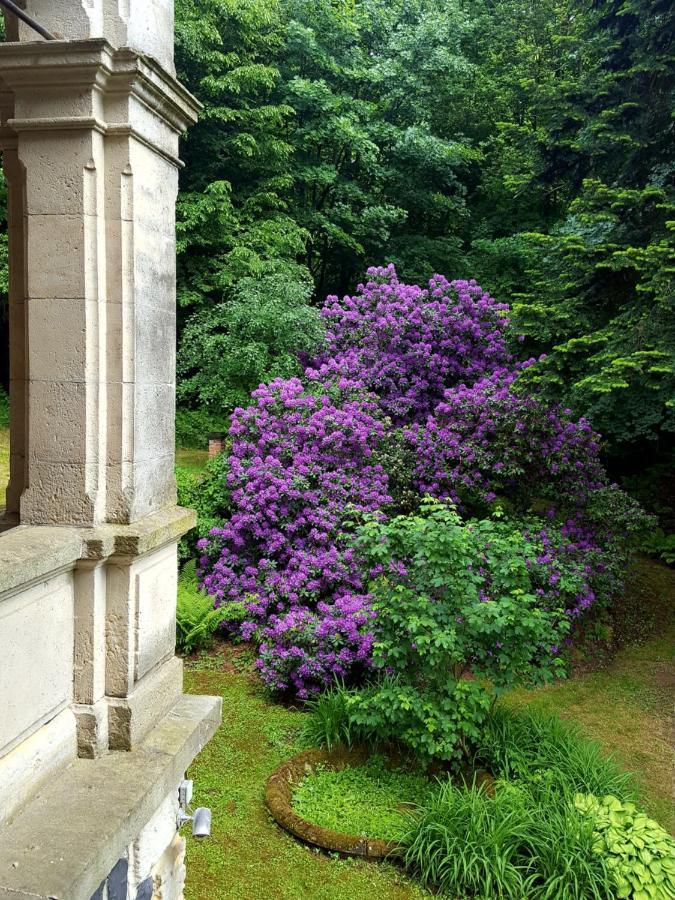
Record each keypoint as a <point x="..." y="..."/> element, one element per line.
<point x="29" y="552"/>
<point x="147" y="534"/>
<point x="66" y="840"/>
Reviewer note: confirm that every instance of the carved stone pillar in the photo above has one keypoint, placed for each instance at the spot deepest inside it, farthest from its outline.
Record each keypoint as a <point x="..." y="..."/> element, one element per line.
<point x="96" y="136"/>
<point x="89" y="127"/>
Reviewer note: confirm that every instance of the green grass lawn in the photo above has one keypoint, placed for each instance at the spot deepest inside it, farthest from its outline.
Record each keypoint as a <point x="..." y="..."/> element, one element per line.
<point x="628" y="705"/>
<point x="4" y="463"/>
<point x="625" y="705"/>
<point x="193" y="460"/>
<point x="247" y="856"/>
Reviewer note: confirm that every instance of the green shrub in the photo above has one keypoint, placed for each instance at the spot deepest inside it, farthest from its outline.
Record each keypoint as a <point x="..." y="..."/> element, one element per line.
<point x="229" y="348"/>
<point x="196" y="619"/>
<point x="459" y="619"/>
<point x="661" y="544"/>
<point x="4" y="408"/>
<point x="465" y="842"/>
<point x="193" y="427"/>
<point x="641" y="855"/>
<point x="208" y="494"/>
<point x="547" y="753"/>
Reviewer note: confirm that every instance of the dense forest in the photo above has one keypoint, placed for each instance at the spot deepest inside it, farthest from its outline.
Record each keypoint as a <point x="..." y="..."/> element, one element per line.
<point x="528" y="145"/>
<point x="525" y="143"/>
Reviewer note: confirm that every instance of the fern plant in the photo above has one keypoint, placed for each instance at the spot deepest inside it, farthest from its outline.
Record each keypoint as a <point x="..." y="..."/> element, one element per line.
<point x="196" y="618"/>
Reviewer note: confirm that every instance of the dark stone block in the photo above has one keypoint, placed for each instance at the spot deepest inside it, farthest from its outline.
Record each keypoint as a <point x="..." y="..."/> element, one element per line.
<point x="144" y="891"/>
<point x="98" y="893"/>
<point x="117" y="880"/>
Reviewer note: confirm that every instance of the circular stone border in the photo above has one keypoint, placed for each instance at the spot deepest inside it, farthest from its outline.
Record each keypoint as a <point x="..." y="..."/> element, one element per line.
<point x="279" y="797"/>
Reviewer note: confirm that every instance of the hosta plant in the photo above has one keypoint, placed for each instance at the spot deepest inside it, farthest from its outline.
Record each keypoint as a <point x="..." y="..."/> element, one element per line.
<point x="640" y="854"/>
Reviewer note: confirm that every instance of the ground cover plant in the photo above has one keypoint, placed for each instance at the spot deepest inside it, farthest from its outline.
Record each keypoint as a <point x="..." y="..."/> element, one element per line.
<point x="624" y="705"/>
<point x="197" y="620"/>
<point x="640" y="854"/>
<point x="371" y="800"/>
<point x="417" y="393"/>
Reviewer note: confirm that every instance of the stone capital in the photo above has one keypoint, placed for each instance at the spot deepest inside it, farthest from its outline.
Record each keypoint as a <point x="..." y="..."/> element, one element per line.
<point x="88" y="85"/>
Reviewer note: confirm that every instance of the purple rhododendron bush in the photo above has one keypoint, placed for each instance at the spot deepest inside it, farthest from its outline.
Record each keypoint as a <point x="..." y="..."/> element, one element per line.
<point x="416" y="394"/>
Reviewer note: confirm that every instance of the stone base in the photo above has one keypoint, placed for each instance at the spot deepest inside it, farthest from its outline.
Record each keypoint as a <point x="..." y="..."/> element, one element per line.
<point x="92" y="729"/>
<point x="130" y="718"/>
<point x="109" y="821"/>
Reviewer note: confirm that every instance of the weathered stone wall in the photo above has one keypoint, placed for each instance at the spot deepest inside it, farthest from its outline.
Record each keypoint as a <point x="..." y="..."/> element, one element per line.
<point x="153" y="867"/>
<point x="95" y="734"/>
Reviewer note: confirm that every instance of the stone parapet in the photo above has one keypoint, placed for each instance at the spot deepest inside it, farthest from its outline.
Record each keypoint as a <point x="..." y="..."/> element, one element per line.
<point x="80" y="824"/>
<point x="87" y="636"/>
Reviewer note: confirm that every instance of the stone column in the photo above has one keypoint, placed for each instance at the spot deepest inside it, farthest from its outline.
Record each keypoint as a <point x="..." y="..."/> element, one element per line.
<point x="89" y="127"/>
<point x="96" y="134"/>
<point x="90" y="132"/>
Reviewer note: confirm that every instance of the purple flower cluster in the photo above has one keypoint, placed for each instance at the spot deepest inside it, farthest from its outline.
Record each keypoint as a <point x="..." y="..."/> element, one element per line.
<point x="300" y="464"/>
<point x="304" y="651"/>
<point x="407" y="345"/>
<point x="431" y="368"/>
<point x="487" y="442"/>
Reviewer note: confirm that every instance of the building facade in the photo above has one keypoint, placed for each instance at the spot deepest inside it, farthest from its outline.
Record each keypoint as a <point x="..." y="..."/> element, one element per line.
<point x="95" y="732"/>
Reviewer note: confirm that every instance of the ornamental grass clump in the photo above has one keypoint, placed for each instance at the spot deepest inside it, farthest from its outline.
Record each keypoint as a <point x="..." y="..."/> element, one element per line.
<point x="507" y="844"/>
<point x="548" y="754"/>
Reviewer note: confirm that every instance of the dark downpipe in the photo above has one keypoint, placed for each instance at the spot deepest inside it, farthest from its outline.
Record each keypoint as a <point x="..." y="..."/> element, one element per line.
<point x="29" y="20"/>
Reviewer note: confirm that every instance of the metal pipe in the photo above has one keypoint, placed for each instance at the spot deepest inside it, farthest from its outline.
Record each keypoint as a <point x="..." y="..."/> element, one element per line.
<point x="29" y="20"/>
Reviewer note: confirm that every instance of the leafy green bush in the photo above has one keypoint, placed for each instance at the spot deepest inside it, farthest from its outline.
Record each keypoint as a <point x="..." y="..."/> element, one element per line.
<point x="459" y="619"/>
<point x="229" y="349"/>
<point x="545" y="752"/>
<point x="641" y="855"/>
<point x="511" y="845"/>
<point x="4" y="408"/>
<point x="362" y="800"/>
<point x="196" y="619"/>
<point x="661" y="545"/>
<point x="193" y="427"/>
<point x="208" y="494"/>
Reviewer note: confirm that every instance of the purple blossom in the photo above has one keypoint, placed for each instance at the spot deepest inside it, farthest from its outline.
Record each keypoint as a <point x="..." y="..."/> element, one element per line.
<point x="306" y="460"/>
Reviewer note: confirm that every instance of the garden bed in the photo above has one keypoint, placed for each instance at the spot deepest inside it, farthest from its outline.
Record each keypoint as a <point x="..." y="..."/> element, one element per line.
<point x="382" y="804"/>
